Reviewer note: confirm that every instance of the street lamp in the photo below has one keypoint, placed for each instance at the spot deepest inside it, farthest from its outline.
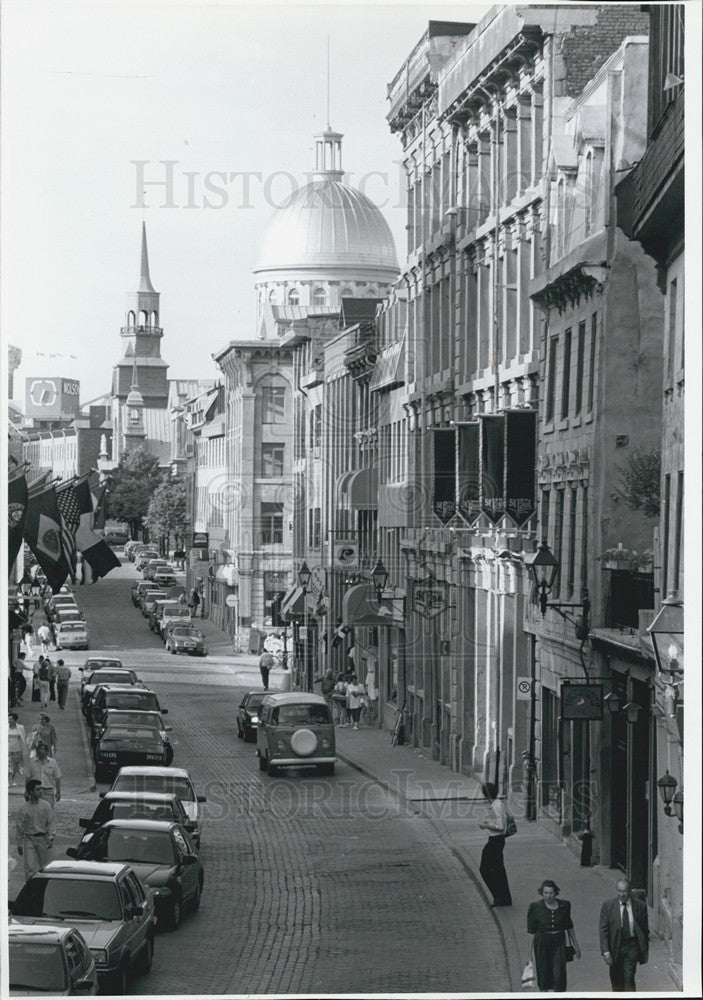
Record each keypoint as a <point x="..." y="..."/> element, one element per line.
<point x="612" y="702"/>
<point x="667" y="786"/>
<point x="544" y="567"/>
<point x="379" y="575"/>
<point x="304" y="578"/>
<point x="667" y="637"/>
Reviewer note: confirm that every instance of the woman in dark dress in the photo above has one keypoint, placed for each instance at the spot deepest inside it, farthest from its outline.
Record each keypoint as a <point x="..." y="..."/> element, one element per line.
<point x="548" y="924"/>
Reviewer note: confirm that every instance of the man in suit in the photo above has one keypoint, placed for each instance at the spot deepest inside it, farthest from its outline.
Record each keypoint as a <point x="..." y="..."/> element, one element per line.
<point x="624" y="936"/>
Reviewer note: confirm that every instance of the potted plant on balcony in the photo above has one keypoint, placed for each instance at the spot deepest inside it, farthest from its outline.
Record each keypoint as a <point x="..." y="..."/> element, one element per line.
<point x="630" y="560"/>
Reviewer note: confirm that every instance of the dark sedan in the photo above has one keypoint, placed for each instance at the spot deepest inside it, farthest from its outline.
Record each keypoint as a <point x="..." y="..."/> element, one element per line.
<point x="163" y="856"/>
<point x="121" y="746"/>
<point x="248" y="714"/>
<point x="184" y="639"/>
<point x="135" y="805"/>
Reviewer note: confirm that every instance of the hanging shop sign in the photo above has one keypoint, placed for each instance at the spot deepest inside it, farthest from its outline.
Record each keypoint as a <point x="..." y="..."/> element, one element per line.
<point x="345" y="553"/>
<point x="201" y="540"/>
<point x="493" y="467"/>
<point x="581" y="701"/>
<point x="444" y="487"/>
<point x="468" y="491"/>
<point x="520" y="464"/>
<point x="430" y="597"/>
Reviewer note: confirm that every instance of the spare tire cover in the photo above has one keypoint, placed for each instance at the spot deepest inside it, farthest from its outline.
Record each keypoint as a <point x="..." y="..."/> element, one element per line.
<point x="304" y="742"/>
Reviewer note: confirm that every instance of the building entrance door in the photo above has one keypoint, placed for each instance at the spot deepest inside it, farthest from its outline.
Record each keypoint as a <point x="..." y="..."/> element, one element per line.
<point x="618" y="781"/>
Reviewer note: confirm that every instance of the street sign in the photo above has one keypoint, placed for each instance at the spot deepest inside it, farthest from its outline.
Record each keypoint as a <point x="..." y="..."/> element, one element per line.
<point x="231" y="600"/>
<point x="523" y="688"/>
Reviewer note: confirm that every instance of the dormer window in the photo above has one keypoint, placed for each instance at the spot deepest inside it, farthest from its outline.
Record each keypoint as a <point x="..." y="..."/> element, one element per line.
<point x="293" y="297"/>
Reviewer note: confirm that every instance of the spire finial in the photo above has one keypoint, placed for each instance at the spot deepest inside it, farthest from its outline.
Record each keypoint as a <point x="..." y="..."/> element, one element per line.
<point x="329" y="127"/>
<point x="145" y="284"/>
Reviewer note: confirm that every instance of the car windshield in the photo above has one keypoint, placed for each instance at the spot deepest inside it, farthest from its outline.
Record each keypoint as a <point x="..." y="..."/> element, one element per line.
<point x="142" y="809"/>
<point x="66" y="898"/>
<point x="141" y="846"/>
<point x="252" y="702"/>
<point x="131" y="699"/>
<point x="294" y="715"/>
<point x="71" y="627"/>
<point x="183" y="631"/>
<point x="96" y="665"/>
<point x="36" y="967"/>
<point x="117" y="734"/>
<point x="106" y="677"/>
<point x="122" y="717"/>
<point x="155" y="783"/>
<point x="177" y="612"/>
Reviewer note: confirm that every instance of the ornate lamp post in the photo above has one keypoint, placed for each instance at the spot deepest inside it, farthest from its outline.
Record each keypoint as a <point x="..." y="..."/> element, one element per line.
<point x="667" y="638"/>
<point x="304" y="578"/>
<point x="379" y="575"/>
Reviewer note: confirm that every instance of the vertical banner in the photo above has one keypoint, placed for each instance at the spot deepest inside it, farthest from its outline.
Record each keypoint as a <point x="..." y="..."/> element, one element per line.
<point x="468" y="490"/>
<point x="444" y="487"/>
<point x="493" y="467"/>
<point x="520" y="468"/>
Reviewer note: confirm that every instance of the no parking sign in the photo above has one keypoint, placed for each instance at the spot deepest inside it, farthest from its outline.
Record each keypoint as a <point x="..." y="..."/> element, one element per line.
<point x="523" y="688"/>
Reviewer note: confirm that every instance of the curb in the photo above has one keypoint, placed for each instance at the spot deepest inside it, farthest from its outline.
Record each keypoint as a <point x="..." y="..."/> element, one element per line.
<point x="92" y="787"/>
<point x="384" y="784"/>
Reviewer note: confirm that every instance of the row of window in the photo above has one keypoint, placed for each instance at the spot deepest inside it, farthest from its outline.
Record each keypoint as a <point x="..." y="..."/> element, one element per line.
<point x="319" y="296"/>
<point x="571" y="369"/>
<point x="145" y="318"/>
<point x="211" y="452"/>
<point x="564" y="522"/>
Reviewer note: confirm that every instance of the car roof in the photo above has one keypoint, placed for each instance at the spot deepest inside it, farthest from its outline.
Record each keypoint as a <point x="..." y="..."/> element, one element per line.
<point x="74" y="622"/>
<point x="112" y="670"/>
<point x="177" y="772"/>
<point x="104" y="662"/>
<point x="141" y="711"/>
<point x="255" y="691"/>
<point x="120" y="796"/>
<point x="47" y="933"/>
<point x="295" y="698"/>
<point x="104" y="869"/>
<point x="161" y="825"/>
<point x="125" y="687"/>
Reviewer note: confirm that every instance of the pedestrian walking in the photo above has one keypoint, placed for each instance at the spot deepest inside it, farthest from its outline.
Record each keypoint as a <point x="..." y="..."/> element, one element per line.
<point x="44" y="637"/>
<point x="492" y="866"/>
<point x="35" y="591"/>
<point x="20" y="681"/>
<point x="266" y="662"/>
<point x="327" y="687"/>
<point x="48" y="773"/>
<point x="28" y="639"/>
<point x="624" y="936"/>
<point x="43" y="732"/>
<point x="15" y="747"/>
<point x="34" y="825"/>
<point x="339" y="701"/>
<point x="63" y="676"/>
<point x="549" y="925"/>
<point x="43" y="681"/>
<point x="35" y="679"/>
<point x="355" y="700"/>
<point x="53" y="673"/>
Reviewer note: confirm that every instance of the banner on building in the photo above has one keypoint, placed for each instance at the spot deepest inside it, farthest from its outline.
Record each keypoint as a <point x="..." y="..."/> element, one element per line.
<point x="345" y="553"/>
<point x="430" y="597"/>
<point x="468" y="490"/>
<point x="444" y="486"/>
<point x="16" y="516"/>
<point x="493" y="467"/>
<point x="581" y="701"/>
<point x="520" y="465"/>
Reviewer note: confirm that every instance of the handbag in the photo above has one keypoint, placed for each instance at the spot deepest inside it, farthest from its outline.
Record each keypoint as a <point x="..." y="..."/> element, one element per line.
<point x="528" y="976"/>
<point x="570" y="953"/>
<point x="510" y="826"/>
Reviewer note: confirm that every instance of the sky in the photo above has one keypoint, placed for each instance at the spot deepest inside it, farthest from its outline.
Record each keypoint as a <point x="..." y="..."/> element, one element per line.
<point x="96" y="96"/>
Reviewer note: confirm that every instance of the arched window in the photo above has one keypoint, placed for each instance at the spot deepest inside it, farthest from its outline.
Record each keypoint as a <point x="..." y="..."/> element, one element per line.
<point x="293" y="297"/>
<point x="131" y="318"/>
<point x="154" y="319"/>
<point x="319" y="297"/>
<point x="588" y="194"/>
<point x="273" y="296"/>
<point x="143" y="320"/>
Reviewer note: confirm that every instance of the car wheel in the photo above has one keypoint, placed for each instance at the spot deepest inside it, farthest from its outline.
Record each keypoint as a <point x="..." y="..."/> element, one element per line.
<point x="169" y="755"/>
<point x="147" y="957"/>
<point x="327" y="770"/>
<point x="240" y="734"/>
<point x="176" y="915"/>
<point x="262" y="763"/>
<point x="195" y="905"/>
<point x="173" y="651"/>
<point x="100" y="773"/>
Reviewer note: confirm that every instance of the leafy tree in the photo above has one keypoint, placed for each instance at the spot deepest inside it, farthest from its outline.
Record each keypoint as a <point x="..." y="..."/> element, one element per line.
<point x="166" y="514"/>
<point x="640" y="482"/>
<point x="132" y="486"/>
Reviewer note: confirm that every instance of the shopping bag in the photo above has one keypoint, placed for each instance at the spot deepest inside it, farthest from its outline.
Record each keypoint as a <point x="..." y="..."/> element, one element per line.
<point x="510" y="826"/>
<point x="528" y="976"/>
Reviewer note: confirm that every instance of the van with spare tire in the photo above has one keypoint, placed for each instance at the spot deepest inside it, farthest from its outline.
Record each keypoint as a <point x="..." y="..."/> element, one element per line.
<point x="295" y="730"/>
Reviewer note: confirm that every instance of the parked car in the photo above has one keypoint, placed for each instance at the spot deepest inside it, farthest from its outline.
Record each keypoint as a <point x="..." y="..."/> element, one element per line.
<point x="149" y="599"/>
<point x="92" y="679"/>
<point x="118" y="745"/>
<point x="57" y="601"/>
<point x="172" y="612"/>
<point x="164" y="577"/>
<point x="135" y="549"/>
<point x="107" y="903"/>
<point x="109" y="696"/>
<point x="184" y="639"/>
<point x="68" y="614"/>
<point x="295" y="730"/>
<point x="135" y="805"/>
<point x="138" y="588"/>
<point x="144" y="556"/>
<point x="248" y="714"/>
<point x="116" y="536"/>
<point x="163" y="856"/>
<point x="136" y="717"/>
<point x="51" y="959"/>
<point x="164" y="779"/>
<point x="150" y="568"/>
<point x="98" y="662"/>
<point x="71" y="635"/>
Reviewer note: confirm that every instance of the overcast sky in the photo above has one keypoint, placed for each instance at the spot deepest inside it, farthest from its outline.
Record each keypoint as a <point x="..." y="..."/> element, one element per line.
<point x="220" y="88"/>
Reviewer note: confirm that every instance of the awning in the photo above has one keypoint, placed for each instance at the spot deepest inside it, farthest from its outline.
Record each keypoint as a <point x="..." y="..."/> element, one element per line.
<point x="341" y="485"/>
<point x="390" y="365"/>
<point x="362" y="490"/>
<point x="227" y="573"/>
<point x="293" y="605"/>
<point x="359" y="607"/>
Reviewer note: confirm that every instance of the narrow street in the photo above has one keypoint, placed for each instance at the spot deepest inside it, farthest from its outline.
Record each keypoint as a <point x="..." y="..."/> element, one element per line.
<point x="311" y="884"/>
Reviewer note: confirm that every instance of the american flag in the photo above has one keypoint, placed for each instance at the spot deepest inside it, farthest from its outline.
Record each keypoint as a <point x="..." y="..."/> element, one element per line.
<point x="70" y="519"/>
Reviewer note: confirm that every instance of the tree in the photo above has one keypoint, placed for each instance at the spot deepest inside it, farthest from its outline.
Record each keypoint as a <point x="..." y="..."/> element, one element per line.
<point x="640" y="482"/>
<point x="132" y="486"/>
<point x="166" y="514"/>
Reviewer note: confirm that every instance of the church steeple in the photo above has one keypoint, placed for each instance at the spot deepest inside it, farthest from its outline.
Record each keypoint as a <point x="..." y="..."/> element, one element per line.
<point x="145" y="284"/>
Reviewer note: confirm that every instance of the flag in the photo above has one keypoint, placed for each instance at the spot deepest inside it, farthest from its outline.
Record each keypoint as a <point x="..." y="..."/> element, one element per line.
<point x="38" y="484"/>
<point x="16" y="516"/>
<point x="520" y="465"/>
<point x="42" y="531"/>
<point x="444" y="488"/>
<point x="493" y="466"/>
<point x="95" y="549"/>
<point x="100" y="512"/>
<point x="70" y="519"/>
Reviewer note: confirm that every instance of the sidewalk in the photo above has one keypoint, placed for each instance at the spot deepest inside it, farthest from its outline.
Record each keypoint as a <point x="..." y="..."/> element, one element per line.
<point x="453" y="804"/>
